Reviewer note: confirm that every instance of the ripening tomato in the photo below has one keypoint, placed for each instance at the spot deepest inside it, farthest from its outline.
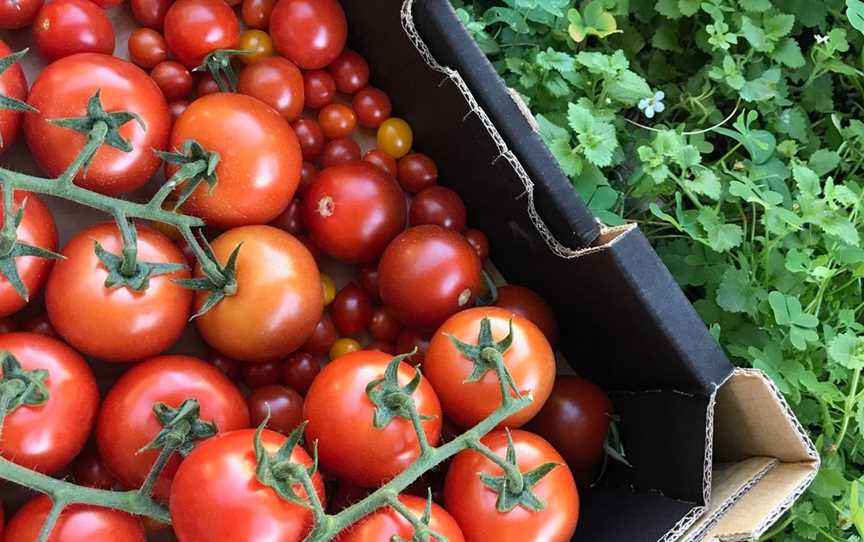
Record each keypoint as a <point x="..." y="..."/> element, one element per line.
<point x="337" y="120"/>
<point x="66" y="27"/>
<point x="63" y="89"/>
<point x="77" y="523"/>
<point x="234" y="505"/>
<point x="278" y="302"/>
<point x="341" y="416"/>
<point x="150" y="13"/>
<point x="277" y="82"/>
<point x="36" y="229"/>
<point x="310" y="136"/>
<point x="310" y="33"/>
<point x="122" y="324"/>
<point x="427" y="274"/>
<point x="381" y="160"/>
<point x="256" y="13"/>
<point x="350" y="71"/>
<point x="395" y="137"/>
<point x="257" y="44"/>
<point x="147" y="47"/>
<point x="372" y="107"/>
<point x="13" y="84"/>
<point x="438" y="205"/>
<point x="385" y="524"/>
<point x="344" y="346"/>
<point x="340" y="151"/>
<point x="260" y="158"/>
<point x="528" y="303"/>
<point x="196" y="28"/>
<point x="18" y="13"/>
<point x="529" y="360"/>
<point x="173" y="78"/>
<point x="417" y="172"/>
<point x="473" y="504"/>
<point x="353" y="210"/>
<point x="46" y="438"/>
<point x="319" y="88"/>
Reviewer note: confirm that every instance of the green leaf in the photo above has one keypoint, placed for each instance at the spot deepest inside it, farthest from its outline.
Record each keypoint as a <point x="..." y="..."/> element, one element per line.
<point x="763" y="87"/>
<point x="628" y="88"/>
<point x="596" y="137"/>
<point x="735" y="293"/>
<point x="824" y="161"/>
<point x="788" y="53"/>
<point x="788" y="312"/>
<point x="855" y="14"/>
<point x="848" y="350"/>
<point x="706" y="183"/>
<point x="722" y="237"/>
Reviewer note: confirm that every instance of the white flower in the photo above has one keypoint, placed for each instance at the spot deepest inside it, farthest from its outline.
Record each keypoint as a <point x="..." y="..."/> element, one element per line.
<point x="821" y="39"/>
<point x="652" y="105"/>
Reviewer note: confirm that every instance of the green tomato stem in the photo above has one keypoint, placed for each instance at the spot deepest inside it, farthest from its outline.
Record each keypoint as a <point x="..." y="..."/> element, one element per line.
<point x="165" y="454"/>
<point x="57" y="507"/>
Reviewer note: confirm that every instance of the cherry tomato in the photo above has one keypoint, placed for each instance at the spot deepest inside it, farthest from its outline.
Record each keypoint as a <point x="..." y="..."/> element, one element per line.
<point x="438" y="205"/>
<point x="308" y="173"/>
<point x="372" y="107"/>
<point x="66" y="27"/>
<point x="417" y="172"/>
<point x="386" y="524"/>
<point x="480" y="243"/>
<point x="527" y="303"/>
<point x="337" y="120"/>
<point x="473" y="505"/>
<point x="350" y="71"/>
<point x="341" y="416"/>
<point x="147" y="47"/>
<point x="299" y="371"/>
<point x="256" y="13"/>
<point x="310" y="33"/>
<point x="575" y="407"/>
<point x="18" y="13"/>
<point x="256" y="375"/>
<point x="381" y="346"/>
<point x="260" y="159"/>
<point x="291" y="219"/>
<point x="384" y="326"/>
<point x="173" y="78"/>
<point x="127" y="422"/>
<point x="369" y="282"/>
<point x="278" y="300"/>
<point x="77" y="523"/>
<point x="36" y="229"/>
<point x="340" y="151"/>
<point x="310" y="136"/>
<point x="63" y="89"/>
<point x="351" y="310"/>
<point x="529" y="359"/>
<point x="319" y="88"/>
<point x="277" y="82"/>
<point x="353" y="210"/>
<point x="395" y="137"/>
<point x="322" y="337"/>
<point x="8" y="325"/>
<point x="344" y="346"/>
<point x="382" y="161"/>
<point x="207" y="85"/>
<point x="13" y="84"/>
<point x="258" y="44"/>
<point x="107" y="3"/>
<point x="409" y="339"/>
<point x="89" y="470"/>
<point x="177" y="108"/>
<point x="39" y="324"/>
<point x="150" y="13"/>
<point x="427" y="274"/>
<point x="284" y="407"/>
<point x="329" y="289"/>
<point x="230" y="367"/>
<point x="195" y="28"/>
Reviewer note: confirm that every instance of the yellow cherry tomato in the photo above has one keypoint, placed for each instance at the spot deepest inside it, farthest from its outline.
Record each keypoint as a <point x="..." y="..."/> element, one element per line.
<point x="344" y="346"/>
<point x="329" y="289"/>
<point x="395" y="137"/>
<point x="258" y="43"/>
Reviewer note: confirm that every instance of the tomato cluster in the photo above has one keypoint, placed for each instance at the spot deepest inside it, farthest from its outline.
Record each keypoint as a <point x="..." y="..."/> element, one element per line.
<point x="266" y="146"/>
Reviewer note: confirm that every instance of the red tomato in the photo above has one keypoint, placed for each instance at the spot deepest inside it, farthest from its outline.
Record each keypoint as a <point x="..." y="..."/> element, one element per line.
<point x="382" y="161"/>
<point x="177" y="108"/>
<point x="173" y="78"/>
<point x="127" y="422"/>
<point x="291" y="220"/>
<point x="266" y="373"/>
<point x="150" y="13"/>
<point x="107" y="3"/>
<point x="282" y="405"/>
<point x="279" y="299"/>
<point x="408" y="340"/>
<point x="383" y="325"/>
<point x="147" y="47"/>
<point x="382" y="346"/>
<point x="36" y="229"/>
<point x="352" y="211"/>
<point x="66" y="27"/>
<point x="77" y="523"/>
<point x="575" y="407"/>
<point x="438" y="205"/>
<point x="299" y="371"/>
<point x="372" y="107"/>
<point x="308" y="173"/>
<point x="206" y="85"/>
<point x="89" y="470"/>
<point x="277" y="82"/>
<point x="417" y="172"/>
<point x="62" y="90"/>
<point x="46" y="438"/>
<point x="529" y="359"/>
<point x="478" y="240"/>
<point x="319" y="88"/>
<point x="427" y="274"/>
<point x="524" y="302"/>
<point x="369" y="281"/>
<point x="351" y="310"/>
<point x="234" y="506"/>
<point x="259" y="165"/>
<point x="196" y="28"/>
<point x="18" y="13"/>
<point x="473" y="505"/>
<point x="122" y="324"/>
<point x="337" y="120"/>
<point x="13" y="84"/>
<point x="40" y="325"/>
<point x="256" y="13"/>
<point x="230" y="367"/>
<point x="341" y="417"/>
<point x="340" y="151"/>
<point x="350" y="71"/>
<point x="311" y="33"/>
<point x="386" y="524"/>
<point x="322" y="337"/>
<point x="310" y="136"/>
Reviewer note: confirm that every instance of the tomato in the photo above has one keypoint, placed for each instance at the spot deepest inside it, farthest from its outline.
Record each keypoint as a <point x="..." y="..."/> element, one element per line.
<point x="351" y="310"/>
<point x="385" y="524"/>
<point x="322" y="337"/>
<point x="36" y="229"/>
<point x="177" y="108"/>
<point x="310" y="33"/>
<point x="13" y="84"/>
<point x="127" y="422"/>
<point x="473" y="505"/>
<point x="372" y="107"/>
<point x="282" y="405"/>
<point x="277" y="82"/>
<point x="427" y="274"/>
<point x="527" y="303"/>
<point x="40" y="325"/>
<point x="308" y="173"/>
<point x="173" y="78"/>
<point x="382" y="161"/>
<point x="291" y="219"/>
<point x="395" y="137"/>
<point x="230" y="367"/>
<point x="77" y="523"/>
<point x="63" y="89"/>
<point x="350" y="71"/>
<point x="66" y="27"/>
<point x="278" y="301"/>
<point x="196" y="28"/>
<point x="234" y="505"/>
<point x="381" y="346"/>
<point x="122" y="324"/>
<point x="383" y="325"/>
<point x="310" y="136"/>
<point x="337" y="120"/>
<point x="575" y="420"/>
<point x="107" y="3"/>
<point x="369" y="281"/>
<point x="299" y="371"/>
<point x="344" y="346"/>
<point x="256" y="13"/>
<point x="417" y="172"/>
<point x="319" y="88"/>
<point x="206" y="85"/>
<point x="8" y="325"/>
<point x="150" y="13"/>
<point x="340" y="151"/>
<point x="259" y="165"/>
<point x="409" y="339"/>
<point x="438" y="205"/>
<point x="18" y="13"/>
<point x="258" y="44"/>
<point x="341" y="415"/>
<point x="147" y="47"/>
<point x="256" y="375"/>
<point x="478" y="240"/>
<point x="89" y="470"/>
<point x="46" y="438"/>
<point x="329" y="288"/>
<point x="529" y="360"/>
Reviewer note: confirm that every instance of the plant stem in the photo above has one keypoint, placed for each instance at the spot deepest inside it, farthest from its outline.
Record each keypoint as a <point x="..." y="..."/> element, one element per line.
<point x="57" y="507"/>
<point x="847" y="410"/>
<point x="417" y="422"/>
<point x="165" y="454"/>
<point x="513" y="472"/>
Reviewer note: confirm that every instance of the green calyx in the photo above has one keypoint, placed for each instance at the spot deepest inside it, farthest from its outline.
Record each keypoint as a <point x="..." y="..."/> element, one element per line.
<point x="390" y="399"/>
<point x="422" y="531"/>
<point x="19" y="387"/>
<point x="197" y="165"/>
<point x="182" y="427"/>
<point x="218" y="64"/>
<point x="7" y="102"/>
<point x="139" y="280"/>
<point x="487" y="355"/>
<point x="220" y="281"/>
<point x="279" y="472"/>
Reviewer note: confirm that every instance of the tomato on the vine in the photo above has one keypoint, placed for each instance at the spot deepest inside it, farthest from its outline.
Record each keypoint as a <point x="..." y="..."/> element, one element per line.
<point x="77" y="523"/>
<point x="18" y="14"/>
<point x="147" y="47"/>
<point x="66" y="27"/>
<point x="13" y="84"/>
<point x="196" y="28"/>
<point x="385" y="524"/>
<point x="528" y="303"/>
<point x="310" y="33"/>
<point x="277" y="82"/>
